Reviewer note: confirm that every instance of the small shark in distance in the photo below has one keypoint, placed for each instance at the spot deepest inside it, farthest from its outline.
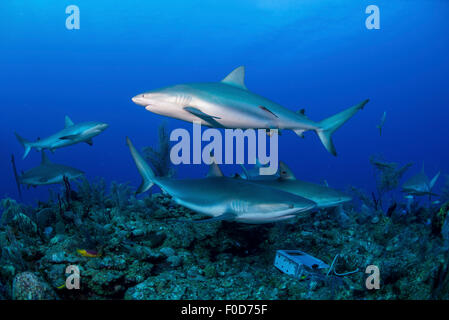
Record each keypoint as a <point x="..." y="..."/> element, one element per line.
<point x="322" y="195"/>
<point x="225" y="198"/>
<point x="71" y="134"/>
<point x="46" y="173"/>
<point x="419" y="185"/>
<point x="229" y="104"/>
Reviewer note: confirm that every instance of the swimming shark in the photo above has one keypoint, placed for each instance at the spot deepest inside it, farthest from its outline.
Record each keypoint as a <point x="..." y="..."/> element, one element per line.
<point x="419" y="185"/>
<point x="225" y="198"/>
<point x="46" y="173"/>
<point x="322" y="195"/>
<point x="71" y="134"/>
<point x="229" y="104"/>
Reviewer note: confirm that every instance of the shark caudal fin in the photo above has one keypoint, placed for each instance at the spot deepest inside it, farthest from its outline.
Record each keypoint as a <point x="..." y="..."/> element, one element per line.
<point x="143" y="167"/>
<point x="25" y="144"/>
<point x="328" y="126"/>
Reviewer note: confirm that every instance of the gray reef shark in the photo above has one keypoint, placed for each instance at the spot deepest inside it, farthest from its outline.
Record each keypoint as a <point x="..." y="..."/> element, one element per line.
<point x="322" y="195"/>
<point x="229" y="104"/>
<point x="225" y="198"/>
<point x="71" y="134"/>
<point x="46" y="173"/>
<point x="419" y="185"/>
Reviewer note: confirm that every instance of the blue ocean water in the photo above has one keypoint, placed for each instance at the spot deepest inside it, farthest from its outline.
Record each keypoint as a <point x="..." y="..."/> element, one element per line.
<point x="316" y="55"/>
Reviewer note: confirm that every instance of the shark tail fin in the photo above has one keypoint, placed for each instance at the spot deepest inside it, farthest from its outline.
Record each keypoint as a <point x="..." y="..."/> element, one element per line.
<point x="328" y="126"/>
<point x="434" y="180"/>
<point x="143" y="167"/>
<point x="25" y="143"/>
<point x="16" y="176"/>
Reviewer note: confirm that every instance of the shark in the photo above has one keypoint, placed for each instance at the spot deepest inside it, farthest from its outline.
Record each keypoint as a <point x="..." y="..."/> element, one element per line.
<point x="223" y="198"/>
<point x="419" y="185"/>
<point x="229" y="104"/>
<point x="71" y="134"/>
<point x="322" y="195"/>
<point x="46" y="173"/>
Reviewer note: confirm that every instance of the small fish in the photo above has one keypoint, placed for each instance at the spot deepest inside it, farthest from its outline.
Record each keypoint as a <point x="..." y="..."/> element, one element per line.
<point x="409" y="197"/>
<point x="88" y="253"/>
<point x="436" y="202"/>
<point x="61" y="287"/>
<point x="382" y="121"/>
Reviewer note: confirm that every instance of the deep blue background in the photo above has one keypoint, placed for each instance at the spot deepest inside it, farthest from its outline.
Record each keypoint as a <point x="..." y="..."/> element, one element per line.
<point x="308" y="54"/>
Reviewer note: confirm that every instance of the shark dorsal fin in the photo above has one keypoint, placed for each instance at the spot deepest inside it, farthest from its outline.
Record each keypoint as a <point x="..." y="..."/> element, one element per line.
<point x="285" y="172"/>
<point x="244" y="175"/>
<point x="214" y="170"/>
<point x="68" y="122"/>
<point x="44" y="158"/>
<point x="236" y="78"/>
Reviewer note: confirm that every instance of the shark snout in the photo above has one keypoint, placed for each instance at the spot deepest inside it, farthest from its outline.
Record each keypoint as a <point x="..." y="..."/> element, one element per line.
<point x="103" y="126"/>
<point x="140" y="100"/>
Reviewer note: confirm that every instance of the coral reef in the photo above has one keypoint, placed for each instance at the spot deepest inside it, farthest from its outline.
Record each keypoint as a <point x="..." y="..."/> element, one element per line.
<point x="160" y="158"/>
<point x="388" y="175"/>
<point x="138" y="250"/>
<point x="445" y="190"/>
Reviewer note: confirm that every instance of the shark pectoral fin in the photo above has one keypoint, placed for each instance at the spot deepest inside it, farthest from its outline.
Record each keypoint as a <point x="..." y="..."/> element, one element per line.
<point x="69" y="137"/>
<point x="90" y="142"/>
<point x="204" y="116"/>
<point x="224" y="217"/>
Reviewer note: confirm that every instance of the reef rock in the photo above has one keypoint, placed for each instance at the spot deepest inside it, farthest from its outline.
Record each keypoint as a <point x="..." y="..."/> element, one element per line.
<point x="28" y="286"/>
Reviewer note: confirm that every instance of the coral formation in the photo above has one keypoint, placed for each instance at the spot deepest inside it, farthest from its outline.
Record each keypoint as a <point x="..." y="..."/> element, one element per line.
<point x="160" y="158"/>
<point x="139" y="250"/>
<point x="388" y="176"/>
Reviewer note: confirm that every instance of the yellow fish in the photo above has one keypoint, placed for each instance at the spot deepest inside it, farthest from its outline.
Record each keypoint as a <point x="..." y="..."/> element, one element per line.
<point x="88" y="253"/>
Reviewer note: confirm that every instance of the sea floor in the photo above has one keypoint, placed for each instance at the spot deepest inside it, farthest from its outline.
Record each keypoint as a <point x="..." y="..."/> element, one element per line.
<point x="138" y="249"/>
